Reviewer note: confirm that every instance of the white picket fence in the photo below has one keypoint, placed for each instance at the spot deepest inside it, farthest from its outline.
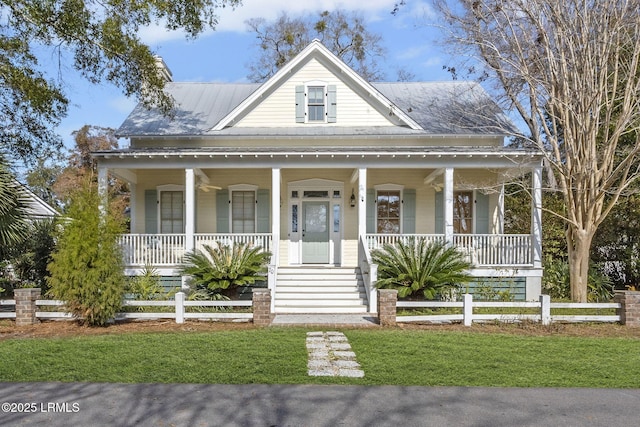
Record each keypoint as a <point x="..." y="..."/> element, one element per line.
<point x="467" y="316"/>
<point x="179" y="310"/>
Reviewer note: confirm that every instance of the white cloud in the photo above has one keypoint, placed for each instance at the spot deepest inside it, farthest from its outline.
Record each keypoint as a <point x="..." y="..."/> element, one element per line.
<point x="234" y="20"/>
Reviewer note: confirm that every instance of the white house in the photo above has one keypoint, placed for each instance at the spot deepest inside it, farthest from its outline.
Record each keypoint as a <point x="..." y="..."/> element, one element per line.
<point x="320" y="166"/>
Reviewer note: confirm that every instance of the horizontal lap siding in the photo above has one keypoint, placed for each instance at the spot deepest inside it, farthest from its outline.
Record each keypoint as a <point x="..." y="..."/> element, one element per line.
<point x="278" y="108"/>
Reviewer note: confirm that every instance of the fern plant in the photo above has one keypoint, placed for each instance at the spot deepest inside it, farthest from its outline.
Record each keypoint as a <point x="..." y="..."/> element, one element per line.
<point x="221" y="269"/>
<point x="418" y="267"/>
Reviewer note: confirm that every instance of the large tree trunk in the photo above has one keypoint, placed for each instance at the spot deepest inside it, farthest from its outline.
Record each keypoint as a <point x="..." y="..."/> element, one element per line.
<point x="579" y="254"/>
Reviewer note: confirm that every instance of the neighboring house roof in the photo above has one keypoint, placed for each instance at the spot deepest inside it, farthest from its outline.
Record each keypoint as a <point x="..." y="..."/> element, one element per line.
<point x="421" y="108"/>
<point x="36" y="207"/>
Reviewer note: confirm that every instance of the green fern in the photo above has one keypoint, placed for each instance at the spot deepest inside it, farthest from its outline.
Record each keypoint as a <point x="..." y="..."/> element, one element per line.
<point x="416" y="266"/>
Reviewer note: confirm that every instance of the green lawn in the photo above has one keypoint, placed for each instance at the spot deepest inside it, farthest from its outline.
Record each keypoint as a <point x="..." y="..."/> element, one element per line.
<point x="278" y="355"/>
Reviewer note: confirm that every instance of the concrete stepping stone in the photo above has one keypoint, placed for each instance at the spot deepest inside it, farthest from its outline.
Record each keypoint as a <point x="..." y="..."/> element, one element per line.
<point x="330" y="354"/>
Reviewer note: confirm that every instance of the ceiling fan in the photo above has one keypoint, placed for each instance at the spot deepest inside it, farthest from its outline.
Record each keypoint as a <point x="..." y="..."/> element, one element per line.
<point x="206" y="187"/>
<point x="203" y="182"/>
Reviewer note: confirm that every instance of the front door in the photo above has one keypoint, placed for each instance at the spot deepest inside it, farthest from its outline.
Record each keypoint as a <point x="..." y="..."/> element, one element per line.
<point x="315" y="232"/>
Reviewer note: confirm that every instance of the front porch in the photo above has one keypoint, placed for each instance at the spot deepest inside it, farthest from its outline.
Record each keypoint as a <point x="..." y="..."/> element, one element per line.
<point x="328" y="209"/>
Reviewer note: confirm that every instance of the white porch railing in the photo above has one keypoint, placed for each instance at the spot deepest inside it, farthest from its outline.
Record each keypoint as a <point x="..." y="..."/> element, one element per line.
<point x="483" y="250"/>
<point x="169" y="249"/>
<point x="152" y="249"/>
<point x="229" y="239"/>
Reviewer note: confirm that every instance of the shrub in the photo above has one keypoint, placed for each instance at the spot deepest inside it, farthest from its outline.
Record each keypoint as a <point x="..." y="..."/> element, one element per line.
<point x="221" y="269"/>
<point x="31" y="257"/>
<point x="86" y="271"/>
<point x="146" y="287"/>
<point x="556" y="282"/>
<point x="416" y="266"/>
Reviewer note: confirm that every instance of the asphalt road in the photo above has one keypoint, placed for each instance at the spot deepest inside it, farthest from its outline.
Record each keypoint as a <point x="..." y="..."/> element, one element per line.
<point x="91" y="404"/>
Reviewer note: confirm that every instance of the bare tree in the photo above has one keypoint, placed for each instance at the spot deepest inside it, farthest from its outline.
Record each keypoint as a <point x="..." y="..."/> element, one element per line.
<point x="345" y="34"/>
<point x="570" y="68"/>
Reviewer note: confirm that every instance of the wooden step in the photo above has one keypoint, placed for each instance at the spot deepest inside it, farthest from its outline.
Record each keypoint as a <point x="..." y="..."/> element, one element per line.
<point x="321" y="289"/>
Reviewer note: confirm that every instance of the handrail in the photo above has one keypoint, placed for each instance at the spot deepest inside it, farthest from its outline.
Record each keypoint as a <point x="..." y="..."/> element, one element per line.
<point x="369" y="272"/>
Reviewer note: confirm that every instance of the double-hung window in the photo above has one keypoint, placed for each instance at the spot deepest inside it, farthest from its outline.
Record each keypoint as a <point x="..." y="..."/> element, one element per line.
<point x="463" y="212"/>
<point x="171" y="212"/>
<point x="316" y="103"/>
<point x="243" y="211"/>
<point x="388" y="204"/>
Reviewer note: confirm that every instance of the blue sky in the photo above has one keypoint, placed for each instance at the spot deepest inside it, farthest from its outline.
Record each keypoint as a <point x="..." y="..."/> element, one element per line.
<point x="223" y="55"/>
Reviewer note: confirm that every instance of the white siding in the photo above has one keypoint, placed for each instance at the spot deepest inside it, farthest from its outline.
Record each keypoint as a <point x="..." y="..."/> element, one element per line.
<point x="278" y="108"/>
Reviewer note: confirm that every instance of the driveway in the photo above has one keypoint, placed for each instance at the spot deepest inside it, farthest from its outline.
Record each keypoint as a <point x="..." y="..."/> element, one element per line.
<point x="91" y="404"/>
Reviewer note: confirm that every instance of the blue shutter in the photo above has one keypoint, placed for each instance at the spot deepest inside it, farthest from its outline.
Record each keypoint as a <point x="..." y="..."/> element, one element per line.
<point x="439" y="205"/>
<point x="262" y="211"/>
<point x="331" y="104"/>
<point x="371" y="211"/>
<point x="222" y="211"/>
<point x="300" y="104"/>
<point x="150" y="211"/>
<point x="409" y="211"/>
<point x="482" y="213"/>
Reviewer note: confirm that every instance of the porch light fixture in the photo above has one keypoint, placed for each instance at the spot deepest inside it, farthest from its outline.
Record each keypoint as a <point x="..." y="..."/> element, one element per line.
<point x="352" y="199"/>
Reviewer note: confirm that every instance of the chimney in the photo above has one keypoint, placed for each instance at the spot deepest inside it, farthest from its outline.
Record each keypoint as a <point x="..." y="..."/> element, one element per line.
<point x="163" y="70"/>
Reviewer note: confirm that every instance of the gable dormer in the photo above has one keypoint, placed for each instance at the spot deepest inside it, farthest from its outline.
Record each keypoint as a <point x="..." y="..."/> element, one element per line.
<point x="316" y="89"/>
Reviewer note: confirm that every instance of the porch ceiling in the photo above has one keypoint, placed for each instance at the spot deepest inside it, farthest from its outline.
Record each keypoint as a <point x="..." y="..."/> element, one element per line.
<point x="324" y="157"/>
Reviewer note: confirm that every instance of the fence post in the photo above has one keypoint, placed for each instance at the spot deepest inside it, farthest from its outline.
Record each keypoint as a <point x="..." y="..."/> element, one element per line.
<point x="26" y="305"/>
<point x="467" y="310"/>
<point x="545" y="310"/>
<point x="262" y="315"/>
<point x="629" y="310"/>
<point x="387" y="299"/>
<point x="179" y="307"/>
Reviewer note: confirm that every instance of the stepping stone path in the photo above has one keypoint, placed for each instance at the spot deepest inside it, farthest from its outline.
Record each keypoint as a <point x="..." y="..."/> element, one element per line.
<point x="330" y="355"/>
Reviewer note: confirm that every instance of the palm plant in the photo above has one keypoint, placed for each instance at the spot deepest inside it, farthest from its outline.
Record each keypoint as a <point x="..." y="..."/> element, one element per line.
<point x="14" y="226"/>
<point x="418" y="266"/>
<point x="221" y="269"/>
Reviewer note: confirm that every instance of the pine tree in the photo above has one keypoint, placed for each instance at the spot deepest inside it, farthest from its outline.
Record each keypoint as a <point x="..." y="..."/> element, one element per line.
<point x="87" y="267"/>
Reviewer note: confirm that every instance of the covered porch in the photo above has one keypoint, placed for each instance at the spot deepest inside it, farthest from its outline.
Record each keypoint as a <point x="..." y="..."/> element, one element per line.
<point x="357" y="200"/>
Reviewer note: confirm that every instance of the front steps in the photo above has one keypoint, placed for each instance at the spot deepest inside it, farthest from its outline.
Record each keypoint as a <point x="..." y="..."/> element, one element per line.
<point x="311" y="289"/>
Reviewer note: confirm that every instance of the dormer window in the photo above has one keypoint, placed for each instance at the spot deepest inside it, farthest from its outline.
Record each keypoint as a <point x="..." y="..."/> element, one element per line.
<point x="316" y="103"/>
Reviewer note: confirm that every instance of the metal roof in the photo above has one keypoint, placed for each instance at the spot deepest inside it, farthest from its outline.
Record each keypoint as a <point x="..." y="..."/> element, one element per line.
<point x="440" y="108"/>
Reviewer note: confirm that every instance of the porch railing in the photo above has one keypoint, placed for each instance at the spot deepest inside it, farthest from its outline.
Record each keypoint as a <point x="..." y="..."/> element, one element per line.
<point x="482" y="250"/>
<point x="169" y="249"/>
<point x="252" y="239"/>
<point x="153" y="249"/>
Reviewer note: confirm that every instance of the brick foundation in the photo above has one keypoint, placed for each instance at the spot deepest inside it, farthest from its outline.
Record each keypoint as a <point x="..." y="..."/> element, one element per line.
<point x="262" y="315"/>
<point x="629" y="311"/>
<point x="387" y="299"/>
<point x="26" y="305"/>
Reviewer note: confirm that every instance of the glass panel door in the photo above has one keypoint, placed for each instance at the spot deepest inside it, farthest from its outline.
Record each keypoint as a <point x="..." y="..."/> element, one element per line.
<point x="315" y="232"/>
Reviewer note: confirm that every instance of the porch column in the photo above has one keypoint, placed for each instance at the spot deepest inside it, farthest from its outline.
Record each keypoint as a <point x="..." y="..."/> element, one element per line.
<point x="536" y="217"/>
<point x="275" y="215"/>
<point x="362" y="203"/>
<point x="448" y="205"/>
<point x="190" y="209"/>
<point x="103" y="189"/>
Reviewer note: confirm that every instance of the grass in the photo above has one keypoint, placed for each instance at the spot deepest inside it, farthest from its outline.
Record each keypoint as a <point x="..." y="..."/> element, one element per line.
<point x="278" y="355"/>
